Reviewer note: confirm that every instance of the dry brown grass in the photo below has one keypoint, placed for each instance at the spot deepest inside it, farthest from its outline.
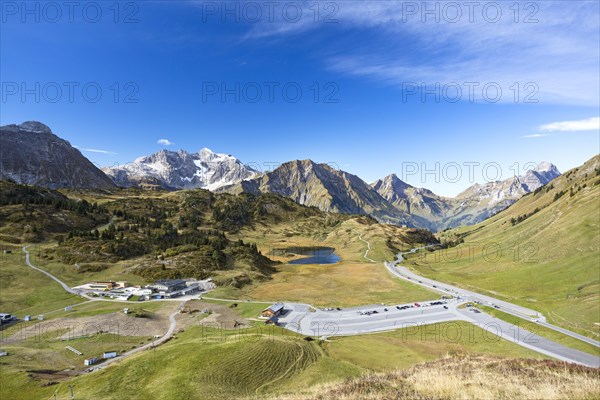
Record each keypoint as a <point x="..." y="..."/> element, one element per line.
<point x="353" y="281"/>
<point x="480" y="377"/>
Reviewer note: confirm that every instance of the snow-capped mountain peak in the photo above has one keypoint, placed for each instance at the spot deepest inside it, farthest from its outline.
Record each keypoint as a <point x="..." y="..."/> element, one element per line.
<point x="182" y="170"/>
<point x="208" y="155"/>
<point x="545" y="166"/>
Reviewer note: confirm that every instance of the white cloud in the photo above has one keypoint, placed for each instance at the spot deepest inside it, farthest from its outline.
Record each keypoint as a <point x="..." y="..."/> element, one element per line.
<point x="165" y="142"/>
<point x="96" y="151"/>
<point x="535" y="135"/>
<point x="590" y="124"/>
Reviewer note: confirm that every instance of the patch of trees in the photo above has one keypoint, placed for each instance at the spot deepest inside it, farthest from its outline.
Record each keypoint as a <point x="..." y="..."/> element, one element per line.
<point x="420" y="235"/>
<point x="203" y="262"/>
<point x="180" y="239"/>
<point x="232" y="215"/>
<point x="545" y="188"/>
<point x="448" y="243"/>
<point x="576" y="189"/>
<point x="158" y="272"/>
<point x="30" y="196"/>
<point x="514" y="221"/>
<point x="559" y="194"/>
<point x="91" y="268"/>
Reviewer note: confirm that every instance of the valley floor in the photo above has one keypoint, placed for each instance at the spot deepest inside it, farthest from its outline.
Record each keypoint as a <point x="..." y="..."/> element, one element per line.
<point x="219" y="361"/>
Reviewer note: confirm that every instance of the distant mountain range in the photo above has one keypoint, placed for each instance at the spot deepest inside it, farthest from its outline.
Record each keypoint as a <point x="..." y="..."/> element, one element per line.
<point x="32" y="154"/>
<point x="390" y="199"/>
<point x="473" y="205"/>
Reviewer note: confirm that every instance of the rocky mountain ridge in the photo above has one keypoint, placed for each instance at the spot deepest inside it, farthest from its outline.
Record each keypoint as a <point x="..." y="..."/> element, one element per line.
<point x="31" y="154"/>
<point x="473" y="205"/>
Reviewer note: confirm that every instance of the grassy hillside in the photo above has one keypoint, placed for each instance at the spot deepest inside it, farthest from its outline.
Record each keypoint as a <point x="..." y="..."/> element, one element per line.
<point x="27" y="291"/>
<point x="543" y="252"/>
<point x="202" y="363"/>
<point x="31" y="214"/>
<point x="470" y="378"/>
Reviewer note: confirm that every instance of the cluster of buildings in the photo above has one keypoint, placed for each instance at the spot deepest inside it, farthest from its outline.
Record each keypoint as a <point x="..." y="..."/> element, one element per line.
<point x="162" y="289"/>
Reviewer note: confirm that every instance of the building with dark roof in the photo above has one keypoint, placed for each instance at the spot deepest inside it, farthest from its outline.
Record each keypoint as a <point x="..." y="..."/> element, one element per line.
<point x="273" y="311"/>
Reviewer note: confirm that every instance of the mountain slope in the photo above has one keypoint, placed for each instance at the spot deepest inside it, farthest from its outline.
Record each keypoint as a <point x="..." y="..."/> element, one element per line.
<point x="31" y="154"/>
<point x="182" y="170"/>
<point x="416" y="201"/>
<point x="474" y="205"/>
<point x="328" y="189"/>
<point x="34" y="214"/>
<point x="542" y="252"/>
<point x="472" y="377"/>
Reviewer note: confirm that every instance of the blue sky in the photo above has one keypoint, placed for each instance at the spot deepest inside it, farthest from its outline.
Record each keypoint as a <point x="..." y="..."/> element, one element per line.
<point x="360" y="67"/>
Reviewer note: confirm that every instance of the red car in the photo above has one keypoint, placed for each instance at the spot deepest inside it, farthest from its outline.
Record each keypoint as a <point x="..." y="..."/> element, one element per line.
<point x="417" y="305"/>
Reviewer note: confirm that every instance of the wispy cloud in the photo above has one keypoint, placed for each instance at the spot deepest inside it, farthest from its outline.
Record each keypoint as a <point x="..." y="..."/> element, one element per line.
<point x="553" y="46"/>
<point x="536" y="135"/>
<point x="165" y="142"/>
<point x="590" y="124"/>
<point x="96" y="151"/>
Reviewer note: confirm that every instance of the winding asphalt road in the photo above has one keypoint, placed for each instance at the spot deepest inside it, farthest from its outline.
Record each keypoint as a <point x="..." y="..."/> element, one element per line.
<point x="514" y="309"/>
<point x="48" y="274"/>
<point x="530" y="340"/>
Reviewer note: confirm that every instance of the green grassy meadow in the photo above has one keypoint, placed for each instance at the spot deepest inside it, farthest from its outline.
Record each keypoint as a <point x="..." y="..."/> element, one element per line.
<point x="549" y="261"/>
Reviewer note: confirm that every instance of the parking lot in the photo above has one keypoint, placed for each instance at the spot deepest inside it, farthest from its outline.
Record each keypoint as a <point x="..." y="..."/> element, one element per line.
<point x="329" y="322"/>
<point x="366" y="319"/>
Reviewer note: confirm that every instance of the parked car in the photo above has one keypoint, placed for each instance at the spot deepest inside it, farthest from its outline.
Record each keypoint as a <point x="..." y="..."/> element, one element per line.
<point x="6" y="318"/>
